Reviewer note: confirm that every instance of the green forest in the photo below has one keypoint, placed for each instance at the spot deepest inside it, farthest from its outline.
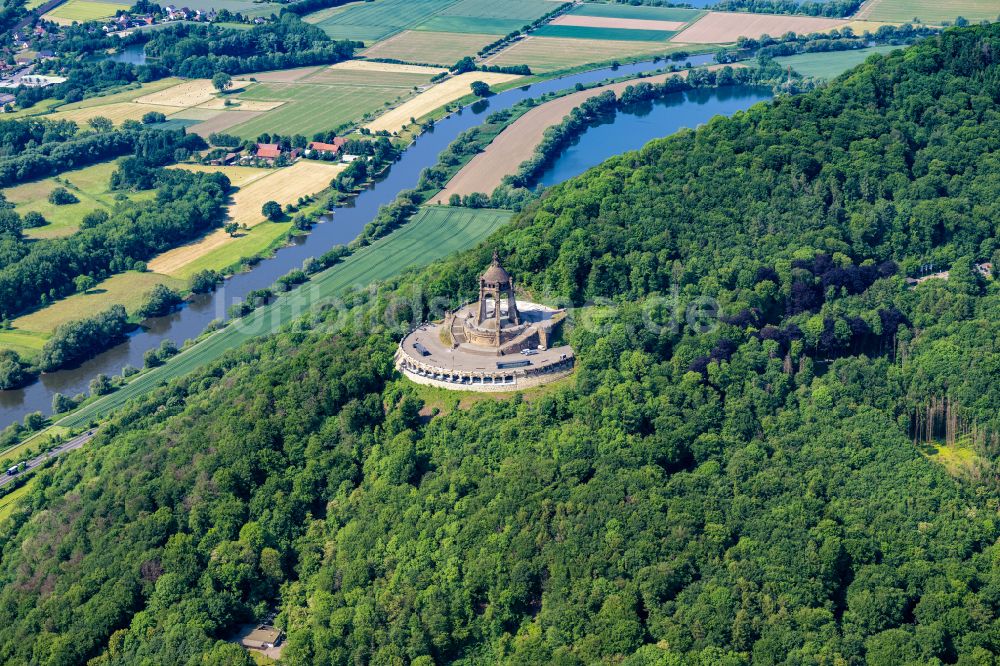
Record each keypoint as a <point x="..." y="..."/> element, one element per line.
<point x="775" y="449"/>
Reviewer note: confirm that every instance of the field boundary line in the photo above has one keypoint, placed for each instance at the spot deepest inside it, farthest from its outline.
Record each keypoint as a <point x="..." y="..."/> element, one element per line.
<point x="865" y="10"/>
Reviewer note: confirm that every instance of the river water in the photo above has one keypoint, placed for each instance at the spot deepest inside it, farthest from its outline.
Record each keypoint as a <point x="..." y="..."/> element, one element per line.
<point x="661" y="119"/>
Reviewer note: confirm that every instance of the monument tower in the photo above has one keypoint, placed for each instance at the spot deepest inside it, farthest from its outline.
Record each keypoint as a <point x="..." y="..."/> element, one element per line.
<point x="495" y="287"/>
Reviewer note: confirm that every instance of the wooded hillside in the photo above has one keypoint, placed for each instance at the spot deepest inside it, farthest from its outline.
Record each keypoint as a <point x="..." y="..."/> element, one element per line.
<point x="757" y="492"/>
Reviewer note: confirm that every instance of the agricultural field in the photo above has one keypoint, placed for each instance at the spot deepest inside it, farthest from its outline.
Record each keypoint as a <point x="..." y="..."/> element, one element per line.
<point x="832" y="64"/>
<point x="435" y="232"/>
<point x="25" y="343"/>
<point x="83" y="10"/>
<point x="677" y="15"/>
<point x="436" y="48"/>
<point x="191" y="100"/>
<point x="282" y="185"/>
<point x="593" y="33"/>
<point x="116" y="113"/>
<point x="549" y="54"/>
<point x="372" y="21"/>
<point x="619" y="22"/>
<point x="183" y="95"/>
<point x="129" y="94"/>
<point x="90" y="185"/>
<point x="439" y="95"/>
<point x="223" y="121"/>
<point x="128" y="289"/>
<point x="861" y="27"/>
<point x="928" y="11"/>
<point x="239" y="176"/>
<point x="362" y="73"/>
<point x="254" y="242"/>
<point x="727" y="27"/>
<point x="330" y="98"/>
<point x="487" y="16"/>
<point x="282" y="75"/>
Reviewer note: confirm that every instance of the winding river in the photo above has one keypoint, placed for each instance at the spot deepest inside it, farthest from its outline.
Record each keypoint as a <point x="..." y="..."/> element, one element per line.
<point x="630" y="130"/>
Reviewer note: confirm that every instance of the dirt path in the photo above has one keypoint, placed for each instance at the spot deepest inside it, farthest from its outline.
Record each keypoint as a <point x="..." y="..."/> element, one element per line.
<point x="517" y="143"/>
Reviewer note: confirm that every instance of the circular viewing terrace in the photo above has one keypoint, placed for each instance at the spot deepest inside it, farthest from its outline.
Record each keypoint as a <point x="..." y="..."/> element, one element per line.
<point x="494" y="344"/>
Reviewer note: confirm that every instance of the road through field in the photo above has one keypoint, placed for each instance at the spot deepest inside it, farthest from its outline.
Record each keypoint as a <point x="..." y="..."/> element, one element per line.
<point x="517" y="143"/>
<point x="71" y="445"/>
<point x="433" y="234"/>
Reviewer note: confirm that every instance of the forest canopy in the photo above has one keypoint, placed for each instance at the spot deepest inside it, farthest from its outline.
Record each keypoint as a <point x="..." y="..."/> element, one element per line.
<point x="768" y="490"/>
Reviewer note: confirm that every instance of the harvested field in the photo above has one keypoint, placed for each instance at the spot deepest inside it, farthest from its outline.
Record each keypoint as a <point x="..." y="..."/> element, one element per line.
<point x="219" y="104"/>
<point x="390" y="76"/>
<point x="386" y="67"/>
<point x="518" y="141"/>
<point x="726" y="27"/>
<point x="433" y="47"/>
<point x="623" y="23"/>
<point x="443" y="93"/>
<point x="127" y="95"/>
<point x="183" y="95"/>
<point x="116" y="113"/>
<point x="548" y="54"/>
<point x="928" y="11"/>
<point x="860" y="27"/>
<point x="224" y="121"/>
<point x="282" y="185"/>
<point x="239" y="176"/>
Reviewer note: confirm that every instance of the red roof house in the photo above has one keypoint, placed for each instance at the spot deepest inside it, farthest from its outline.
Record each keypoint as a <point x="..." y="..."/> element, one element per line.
<point x="268" y="151"/>
<point x="332" y="148"/>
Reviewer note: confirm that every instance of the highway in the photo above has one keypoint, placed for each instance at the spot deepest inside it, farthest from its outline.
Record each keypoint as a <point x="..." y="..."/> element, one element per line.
<point x="72" y="444"/>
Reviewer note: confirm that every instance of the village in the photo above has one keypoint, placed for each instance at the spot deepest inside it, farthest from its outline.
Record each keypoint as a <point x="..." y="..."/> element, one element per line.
<point x="32" y="39"/>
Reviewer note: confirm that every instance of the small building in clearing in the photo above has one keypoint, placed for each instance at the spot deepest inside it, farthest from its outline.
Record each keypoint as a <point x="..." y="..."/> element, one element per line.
<point x="263" y="637"/>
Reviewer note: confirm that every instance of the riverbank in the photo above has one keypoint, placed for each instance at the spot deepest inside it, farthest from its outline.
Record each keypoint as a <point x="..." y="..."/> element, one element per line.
<point x="517" y="143"/>
<point x="434" y="233"/>
<point x="343" y="227"/>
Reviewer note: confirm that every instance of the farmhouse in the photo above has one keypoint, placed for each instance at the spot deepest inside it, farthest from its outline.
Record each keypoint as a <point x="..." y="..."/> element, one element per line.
<point x="496" y="343"/>
<point x="268" y="151"/>
<point x="318" y="148"/>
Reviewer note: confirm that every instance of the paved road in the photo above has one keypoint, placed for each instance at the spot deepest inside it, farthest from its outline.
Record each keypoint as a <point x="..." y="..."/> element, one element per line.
<point x="72" y="444"/>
